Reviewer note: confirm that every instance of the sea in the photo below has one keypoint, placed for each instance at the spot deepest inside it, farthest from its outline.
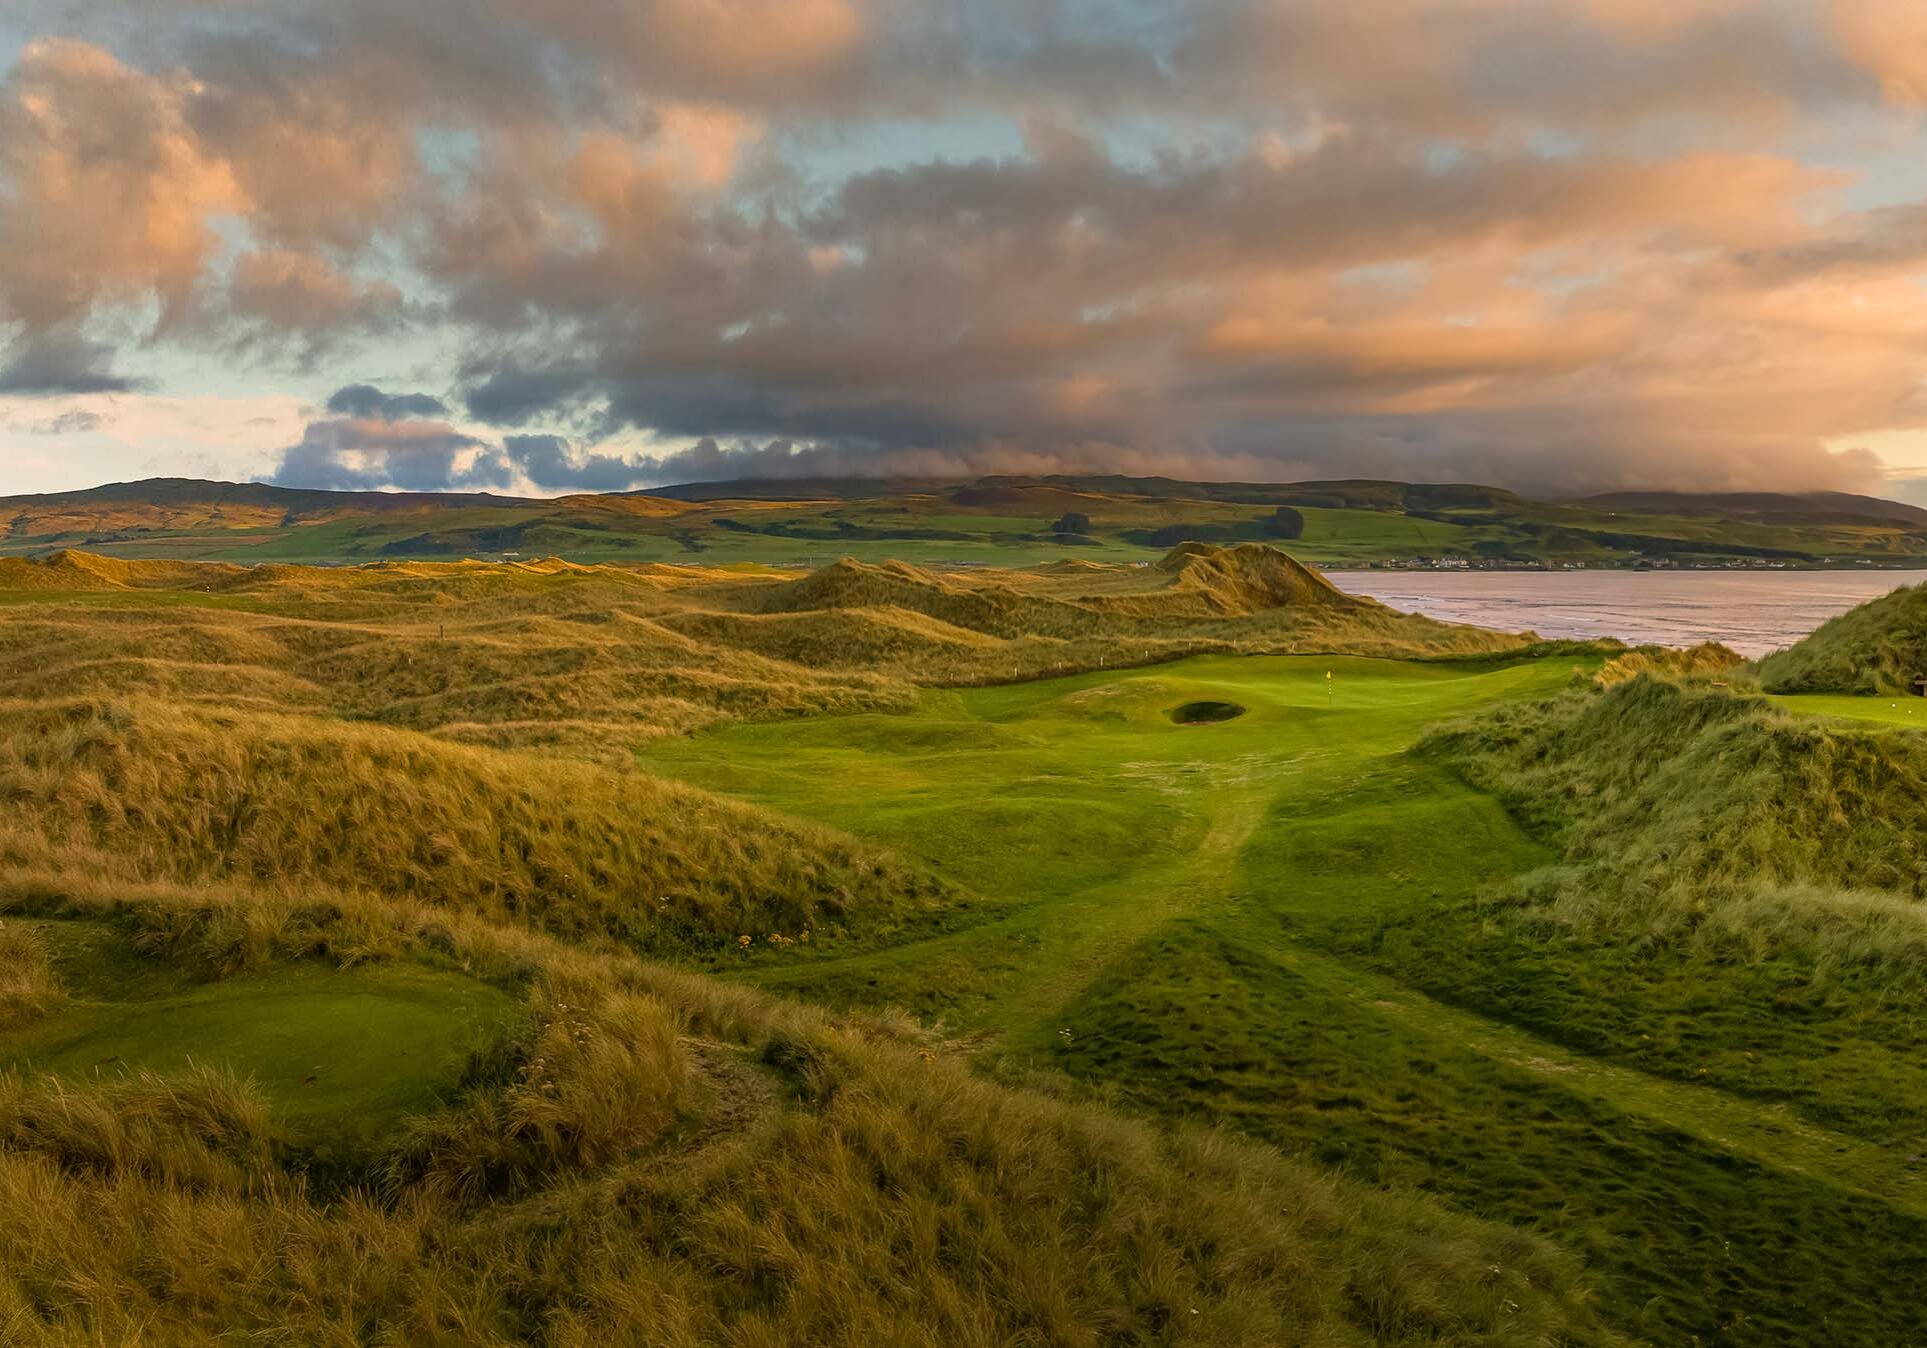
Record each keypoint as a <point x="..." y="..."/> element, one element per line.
<point x="1754" y="612"/>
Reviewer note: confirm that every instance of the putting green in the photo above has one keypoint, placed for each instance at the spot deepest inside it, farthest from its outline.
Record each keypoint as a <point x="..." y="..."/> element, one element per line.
<point x="343" y="1055"/>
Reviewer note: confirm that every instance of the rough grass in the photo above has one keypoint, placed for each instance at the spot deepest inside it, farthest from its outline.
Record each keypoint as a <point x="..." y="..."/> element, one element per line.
<point x="1692" y="1243"/>
<point x="658" y="1157"/>
<point x="1707" y="784"/>
<point x="1879" y="647"/>
<point x="592" y="657"/>
<point x="672" y="1162"/>
<point x="1705" y="660"/>
<point x="1740" y="901"/>
<point x="183" y="793"/>
<point x="28" y="986"/>
<point x="1236" y="923"/>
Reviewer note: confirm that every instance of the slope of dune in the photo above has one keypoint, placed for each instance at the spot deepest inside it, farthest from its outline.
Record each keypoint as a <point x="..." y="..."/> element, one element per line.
<point x="1879" y="647"/>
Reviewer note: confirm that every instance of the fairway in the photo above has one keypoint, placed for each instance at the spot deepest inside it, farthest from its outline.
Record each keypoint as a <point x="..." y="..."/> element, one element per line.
<point x="343" y="1056"/>
<point x="1204" y="921"/>
<point x="1088" y="817"/>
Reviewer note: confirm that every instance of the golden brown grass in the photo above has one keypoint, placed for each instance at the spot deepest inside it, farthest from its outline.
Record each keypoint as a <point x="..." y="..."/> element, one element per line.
<point x="154" y="791"/>
<point x="28" y="986"/>
<point x="664" y="1161"/>
<point x="1707" y="660"/>
<point x="593" y="657"/>
<point x="247" y="767"/>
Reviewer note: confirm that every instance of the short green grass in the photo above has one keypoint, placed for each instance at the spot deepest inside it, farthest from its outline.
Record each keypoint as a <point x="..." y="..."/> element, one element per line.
<point x="1276" y="922"/>
<point x="1889" y="710"/>
<point x="343" y="1055"/>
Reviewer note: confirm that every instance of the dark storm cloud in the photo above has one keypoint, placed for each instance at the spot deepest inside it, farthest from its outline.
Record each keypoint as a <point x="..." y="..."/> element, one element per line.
<point x="52" y="364"/>
<point x="361" y="455"/>
<point x="365" y="400"/>
<point x="551" y="464"/>
<point x="507" y="394"/>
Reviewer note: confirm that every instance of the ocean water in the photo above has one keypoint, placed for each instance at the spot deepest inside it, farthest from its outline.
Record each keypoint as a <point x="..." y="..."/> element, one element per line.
<point x="1751" y="611"/>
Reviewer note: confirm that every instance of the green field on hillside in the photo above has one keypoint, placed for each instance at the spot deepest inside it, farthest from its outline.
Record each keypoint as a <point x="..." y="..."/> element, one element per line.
<point x="1888" y="710"/>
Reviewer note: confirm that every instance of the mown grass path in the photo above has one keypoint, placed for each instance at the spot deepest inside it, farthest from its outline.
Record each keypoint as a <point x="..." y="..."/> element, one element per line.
<point x="1768" y="1134"/>
<point x="1161" y="897"/>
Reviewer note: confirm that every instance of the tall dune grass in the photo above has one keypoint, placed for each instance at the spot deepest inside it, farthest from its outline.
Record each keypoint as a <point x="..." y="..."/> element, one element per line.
<point x="658" y="1157"/>
<point x="1694" y="812"/>
<point x="28" y="986"/>
<point x="178" y="793"/>
<point x="666" y="1160"/>
<point x="590" y="658"/>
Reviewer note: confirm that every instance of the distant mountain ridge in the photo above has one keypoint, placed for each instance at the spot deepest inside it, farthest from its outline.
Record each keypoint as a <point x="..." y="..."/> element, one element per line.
<point x="1765" y="507"/>
<point x="162" y="491"/>
<point x="1335" y="493"/>
<point x="1000" y="519"/>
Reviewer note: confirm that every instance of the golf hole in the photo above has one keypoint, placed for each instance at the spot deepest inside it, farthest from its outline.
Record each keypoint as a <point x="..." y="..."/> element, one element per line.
<point x="1205" y="713"/>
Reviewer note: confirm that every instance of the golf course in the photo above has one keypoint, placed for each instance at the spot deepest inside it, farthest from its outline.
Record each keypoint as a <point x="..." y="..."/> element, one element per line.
<point x="1175" y="925"/>
<point x="1194" y="950"/>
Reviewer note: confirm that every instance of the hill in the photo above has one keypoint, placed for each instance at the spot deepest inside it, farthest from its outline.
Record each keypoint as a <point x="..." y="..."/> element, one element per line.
<point x="1003" y="521"/>
<point x="649" y="1157"/>
<point x="1879" y="647"/>
<point x="1812" y="507"/>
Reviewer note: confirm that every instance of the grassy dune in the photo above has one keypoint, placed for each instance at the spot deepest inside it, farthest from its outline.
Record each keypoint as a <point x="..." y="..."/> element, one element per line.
<point x="172" y="793"/>
<point x="1737" y="904"/>
<point x="1877" y="648"/>
<point x="551" y="653"/>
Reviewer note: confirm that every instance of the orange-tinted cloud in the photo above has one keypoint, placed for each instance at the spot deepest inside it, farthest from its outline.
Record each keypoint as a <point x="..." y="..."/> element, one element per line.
<point x="1576" y="243"/>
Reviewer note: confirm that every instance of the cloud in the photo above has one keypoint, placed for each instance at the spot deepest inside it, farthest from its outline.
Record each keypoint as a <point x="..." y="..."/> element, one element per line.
<point x="380" y="440"/>
<point x="54" y="363"/>
<point x="359" y="455"/>
<point x="76" y="422"/>
<point x="365" y="400"/>
<point x="1575" y="244"/>
<point x="549" y="462"/>
<point x="301" y="296"/>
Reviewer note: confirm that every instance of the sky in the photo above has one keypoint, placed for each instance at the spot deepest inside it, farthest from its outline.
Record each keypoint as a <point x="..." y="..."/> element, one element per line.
<point x="541" y="246"/>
